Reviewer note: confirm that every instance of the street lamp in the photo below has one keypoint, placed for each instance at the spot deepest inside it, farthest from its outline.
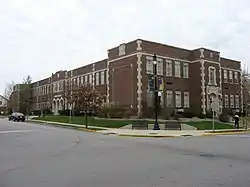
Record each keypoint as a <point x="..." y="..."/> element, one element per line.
<point x="156" y="125"/>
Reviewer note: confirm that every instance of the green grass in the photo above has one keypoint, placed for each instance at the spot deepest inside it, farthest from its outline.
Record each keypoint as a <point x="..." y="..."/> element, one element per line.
<point x="91" y="121"/>
<point x="208" y="125"/>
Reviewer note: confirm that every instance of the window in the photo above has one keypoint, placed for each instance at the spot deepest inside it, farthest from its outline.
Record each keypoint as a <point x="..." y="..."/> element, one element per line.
<point x="186" y="99"/>
<point x="97" y="78"/>
<point x="169" y="66"/>
<point x="61" y="86"/>
<point x="226" y="101"/>
<point x="90" y="79"/>
<point x="231" y="77"/>
<point x="150" y="98"/>
<point x="177" y="99"/>
<point x="102" y="77"/>
<point x="82" y="80"/>
<point x="236" y="77"/>
<point x="150" y="67"/>
<point x="225" y="76"/>
<point x="237" y="101"/>
<point x="169" y="99"/>
<point x="212" y="76"/>
<point x="177" y="69"/>
<point x="185" y="70"/>
<point x="231" y="101"/>
<point x="85" y="79"/>
<point x="159" y="67"/>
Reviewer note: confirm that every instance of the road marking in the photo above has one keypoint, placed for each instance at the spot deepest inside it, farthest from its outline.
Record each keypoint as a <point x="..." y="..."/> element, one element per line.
<point x="15" y="131"/>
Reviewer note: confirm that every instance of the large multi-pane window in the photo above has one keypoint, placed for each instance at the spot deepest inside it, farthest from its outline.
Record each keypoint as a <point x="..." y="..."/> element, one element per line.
<point x="225" y="76"/>
<point x="169" y="98"/>
<point x="226" y="101"/>
<point x="177" y="69"/>
<point x="237" y="101"/>
<point x="103" y="77"/>
<point x="231" y="101"/>
<point x="169" y="68"/>
<point x="97" y="78"/>
<point x="236" y="77"/>
<point x="185" y="70"/>
<point x="186" y="100"/>
<point x="231" y="77"/>
<point x="212" y="76"/>
<point x="178" y="99"/>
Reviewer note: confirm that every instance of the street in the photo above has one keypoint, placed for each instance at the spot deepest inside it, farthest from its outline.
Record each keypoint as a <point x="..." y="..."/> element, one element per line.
<point x="34" y="155"/>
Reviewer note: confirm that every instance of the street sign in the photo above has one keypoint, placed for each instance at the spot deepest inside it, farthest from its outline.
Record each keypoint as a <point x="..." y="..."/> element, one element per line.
<point x="215" y="106"/>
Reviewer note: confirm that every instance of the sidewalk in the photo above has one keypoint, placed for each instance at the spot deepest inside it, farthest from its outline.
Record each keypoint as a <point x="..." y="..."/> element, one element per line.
<point x="146" y="133"/>
<point x="170" y="133"/>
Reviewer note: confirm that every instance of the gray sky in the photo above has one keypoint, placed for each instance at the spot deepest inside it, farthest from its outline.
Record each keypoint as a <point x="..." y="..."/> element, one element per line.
<point x="38" y="37"/>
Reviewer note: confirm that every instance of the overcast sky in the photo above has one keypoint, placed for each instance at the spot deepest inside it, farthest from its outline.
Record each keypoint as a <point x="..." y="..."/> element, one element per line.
<point x="39" y="37"/>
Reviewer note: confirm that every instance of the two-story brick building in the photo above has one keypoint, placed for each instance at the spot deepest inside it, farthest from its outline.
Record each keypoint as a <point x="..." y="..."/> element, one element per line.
<point x="187" y="78"/>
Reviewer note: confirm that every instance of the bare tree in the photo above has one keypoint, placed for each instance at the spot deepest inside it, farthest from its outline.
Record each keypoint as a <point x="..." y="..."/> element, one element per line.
<point x="87" y="100"/>
<point x="9" y="89"/>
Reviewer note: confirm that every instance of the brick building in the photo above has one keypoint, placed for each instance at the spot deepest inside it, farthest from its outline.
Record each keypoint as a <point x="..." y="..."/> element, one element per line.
<point x="188" y="78"/>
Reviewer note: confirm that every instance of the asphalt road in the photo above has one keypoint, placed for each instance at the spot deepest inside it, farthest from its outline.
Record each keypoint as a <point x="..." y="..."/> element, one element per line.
<point x="33" y="155"/>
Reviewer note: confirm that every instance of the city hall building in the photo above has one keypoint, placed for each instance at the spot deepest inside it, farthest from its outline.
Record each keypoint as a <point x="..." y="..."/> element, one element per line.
<point x="186" y="78"/>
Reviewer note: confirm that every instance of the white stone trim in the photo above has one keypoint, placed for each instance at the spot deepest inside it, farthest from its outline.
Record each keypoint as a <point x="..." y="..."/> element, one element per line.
<point x="212" y="62"/>
<point x="107" y="82"/>
<point x="165" y="57"/>
<point x="122" y="49"/>
<point x="203" y="95"/>
<point x="123" y="57"/>
<point x="139" y="42"/>
<point x="139" y="83"/>
<point x="230" y="69"/>
<point x="241" y="92"/>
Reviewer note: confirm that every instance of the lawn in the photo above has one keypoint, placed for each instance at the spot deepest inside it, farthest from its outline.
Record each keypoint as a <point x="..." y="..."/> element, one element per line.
<point x="91" y="121"/>
<point x="208" y="125"/>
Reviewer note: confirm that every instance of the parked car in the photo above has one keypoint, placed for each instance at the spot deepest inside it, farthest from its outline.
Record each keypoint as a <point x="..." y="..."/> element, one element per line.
<point x="17" y="116"/>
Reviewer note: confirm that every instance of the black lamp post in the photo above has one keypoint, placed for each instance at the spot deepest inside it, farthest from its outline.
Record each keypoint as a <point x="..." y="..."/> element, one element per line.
<point x="156" y="125"/>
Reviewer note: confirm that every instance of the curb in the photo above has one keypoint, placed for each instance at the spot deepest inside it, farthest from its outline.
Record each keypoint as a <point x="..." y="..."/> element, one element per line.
<point x="63" y="126"/>
<point x="225" y="133"/>
<point x="146" y="136"/>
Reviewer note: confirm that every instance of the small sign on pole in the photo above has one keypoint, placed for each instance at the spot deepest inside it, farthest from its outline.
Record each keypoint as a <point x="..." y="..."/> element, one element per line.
<point x="214" y="107"/>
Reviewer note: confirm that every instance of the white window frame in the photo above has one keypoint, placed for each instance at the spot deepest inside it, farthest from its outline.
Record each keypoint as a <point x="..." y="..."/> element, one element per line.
<point x="169" y="68"/>
<point x="178" y="99"/>
<point x="90" y="79"/>
<point x="236" y="79"/>
<point x="169" y="98"/>
<point x="103" y="77"/>
<point x="97" y="77"/>
<point x="231" y="101"/>
<point x="212" y="68"/>
<point x="226" y="101"/>
<point x="86" y="79"/>
<point x="185" y="70"/>
<point x="231" y="81"/>
<point x="149" y="65"/>
<point x="225" y="76"/>
<point x="237" y="101"/>
<point x="177" y="69"/>
<point x="159" y="67"/>
<point x="186" y="100"/>
<point x="82" y="80"/>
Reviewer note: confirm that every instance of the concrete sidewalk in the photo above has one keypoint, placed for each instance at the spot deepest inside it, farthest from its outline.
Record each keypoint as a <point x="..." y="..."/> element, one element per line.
<point x="169" y="133"/>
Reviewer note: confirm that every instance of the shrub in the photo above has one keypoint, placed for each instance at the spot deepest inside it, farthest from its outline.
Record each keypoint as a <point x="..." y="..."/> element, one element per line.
<point x="202" y="116"/>
<point x="224" y="117"/>
<point x="209" y="114"/>
<point x="188" y="114"/>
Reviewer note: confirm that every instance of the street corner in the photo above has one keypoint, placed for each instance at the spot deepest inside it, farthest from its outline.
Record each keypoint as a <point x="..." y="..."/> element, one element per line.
<point x="226" y="132"/>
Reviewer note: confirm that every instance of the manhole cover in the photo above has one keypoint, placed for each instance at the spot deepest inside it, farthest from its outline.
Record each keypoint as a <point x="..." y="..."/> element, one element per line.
<point x="207" y="155"/>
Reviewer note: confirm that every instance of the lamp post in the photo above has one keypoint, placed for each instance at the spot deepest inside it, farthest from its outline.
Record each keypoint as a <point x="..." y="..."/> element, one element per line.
<point x="156" y="125"/>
